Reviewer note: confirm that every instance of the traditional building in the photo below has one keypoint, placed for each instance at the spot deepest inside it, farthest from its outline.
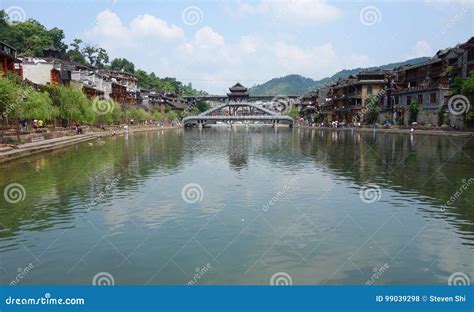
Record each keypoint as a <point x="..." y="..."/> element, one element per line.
<point x="467" y="61"/>
<point x="308" y="105"/>
<point x="9" y="61"/>
<point x="346" y="98"/>
<point x="92" y="83"/>
<point x="124" y="87"/>
<point x="427" y="84"/>
<point x="237" y="92"/>
<point x="44" y="71"/>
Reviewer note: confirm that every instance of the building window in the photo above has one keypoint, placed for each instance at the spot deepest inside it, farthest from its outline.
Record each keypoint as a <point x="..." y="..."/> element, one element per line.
<point x="433" y="98"/>
<point x="408" y="100"/>
<point x="369" y="90"/>
<point x="419" y="99"/>
<point x="397" y="100"/>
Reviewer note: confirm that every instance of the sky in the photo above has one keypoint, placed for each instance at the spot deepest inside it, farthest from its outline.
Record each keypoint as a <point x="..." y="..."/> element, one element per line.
<point x="214" y="44"/>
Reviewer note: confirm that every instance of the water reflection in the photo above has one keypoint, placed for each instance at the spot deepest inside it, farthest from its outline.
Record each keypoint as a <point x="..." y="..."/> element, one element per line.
<point x="129" y="189"/>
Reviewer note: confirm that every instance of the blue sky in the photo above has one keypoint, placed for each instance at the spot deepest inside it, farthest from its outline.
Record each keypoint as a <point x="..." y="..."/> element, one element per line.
<point x="212" y="44"/>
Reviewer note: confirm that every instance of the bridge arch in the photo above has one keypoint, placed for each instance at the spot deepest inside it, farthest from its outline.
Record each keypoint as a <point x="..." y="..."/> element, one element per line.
<point x="238" y="106"/>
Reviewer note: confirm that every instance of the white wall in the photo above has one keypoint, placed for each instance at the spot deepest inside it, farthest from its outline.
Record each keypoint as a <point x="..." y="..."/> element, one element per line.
<point x="38" y="73"/>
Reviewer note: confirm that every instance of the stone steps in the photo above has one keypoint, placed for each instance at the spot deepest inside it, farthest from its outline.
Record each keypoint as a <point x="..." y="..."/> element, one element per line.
<point x="9" y="153"/>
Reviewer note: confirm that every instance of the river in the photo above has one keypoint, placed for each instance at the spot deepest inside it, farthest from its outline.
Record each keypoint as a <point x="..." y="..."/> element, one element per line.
<point x="240" y="206"/>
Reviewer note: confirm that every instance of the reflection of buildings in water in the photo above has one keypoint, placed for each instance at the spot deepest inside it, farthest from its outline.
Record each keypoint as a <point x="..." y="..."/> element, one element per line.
<point x="335" y="136"/>
<point x="412" y="142"/>
<point x="428" y="165"/>
<point x="238" y="150"/>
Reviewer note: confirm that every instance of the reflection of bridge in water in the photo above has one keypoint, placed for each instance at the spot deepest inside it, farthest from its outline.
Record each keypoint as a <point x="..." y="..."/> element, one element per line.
<point x="239" y="106"/>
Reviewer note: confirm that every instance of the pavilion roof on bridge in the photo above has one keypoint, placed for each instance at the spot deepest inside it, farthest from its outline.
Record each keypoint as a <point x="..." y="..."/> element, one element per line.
<point x="238" y="90"/>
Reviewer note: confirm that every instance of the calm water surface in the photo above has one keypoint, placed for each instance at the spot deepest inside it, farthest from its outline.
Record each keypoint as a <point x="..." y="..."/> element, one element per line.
<point x="261" y="202"/>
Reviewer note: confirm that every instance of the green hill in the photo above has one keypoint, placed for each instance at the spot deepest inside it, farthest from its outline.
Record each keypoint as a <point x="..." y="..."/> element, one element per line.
<point x="297" y="84"/>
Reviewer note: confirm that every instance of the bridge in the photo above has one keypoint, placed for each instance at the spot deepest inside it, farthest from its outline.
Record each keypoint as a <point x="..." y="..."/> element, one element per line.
<point x="239" y="106"/>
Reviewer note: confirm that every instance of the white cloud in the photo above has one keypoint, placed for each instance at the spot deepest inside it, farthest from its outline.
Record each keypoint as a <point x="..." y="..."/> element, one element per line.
<point x="295" y="11"/>
<point x="358" y="60"/>
<point x="208" y="60"/>
<point x="421" y="48"/>
<point x="151" y="26"/>
<point x="110" y="31"/>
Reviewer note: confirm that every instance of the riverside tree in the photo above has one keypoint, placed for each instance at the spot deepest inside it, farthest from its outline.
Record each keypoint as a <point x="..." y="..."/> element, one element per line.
<point x="38" y="105"/>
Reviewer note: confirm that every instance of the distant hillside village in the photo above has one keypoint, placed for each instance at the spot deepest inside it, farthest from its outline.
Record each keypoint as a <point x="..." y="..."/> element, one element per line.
<point x="105" y="84"/>
<point x="413" y="93"/>
<point x="66" y="83"/>
<point x="43" y="79"/>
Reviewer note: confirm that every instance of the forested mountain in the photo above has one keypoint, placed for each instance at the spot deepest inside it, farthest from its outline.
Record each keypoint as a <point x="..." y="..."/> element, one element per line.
<point x="297" y="84"/>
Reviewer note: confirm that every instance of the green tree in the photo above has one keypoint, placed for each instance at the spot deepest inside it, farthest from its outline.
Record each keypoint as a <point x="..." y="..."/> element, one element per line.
<point x="372" y="107"/>
<point x="38" y="106"/>
<point x="171" y="115"/>
<point x="75" y="53"/>
<point x="76" y="107"/>
<point x="468" y="85"/>
<point x="111" y="111"/>
<point x="137" y="114"/>
<point x="413" y="109"/>
<point x="9" y="93"/>
<point x="95" y="56"/>
<point x="157" y="116"/>
<point x="202" y="106"/>
<point x="122" y="64"/>
<point x="456" y="85"/>
<point x="30" y="37"/>
<point x="293" y="113"/>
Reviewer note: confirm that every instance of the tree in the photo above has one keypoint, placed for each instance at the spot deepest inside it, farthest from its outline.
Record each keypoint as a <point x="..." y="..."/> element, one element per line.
<point x="38" y="106"/>
<point x="157" y="116"/>
<point x="137" y="114"/>
<point x="122" y="64"/>
<point x="293" y="113"/>
<point x="4" y="25"/>
<point x="202" y="106"/>
<point x="9" y="93"/>
<point x="456" y="85"/>
<point x="413" y="109"/>
<point x="371" y="114"/>
<point x="171" y="115"/>
<point x="57" y="37"/>
<point x="468" y="85"/>
<point x="30" y="37"/>
<point x="95" y="56"/>
<point x="113" y="114"/>
<point x="76" y="107"/>
<point x="75" y="53"/>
